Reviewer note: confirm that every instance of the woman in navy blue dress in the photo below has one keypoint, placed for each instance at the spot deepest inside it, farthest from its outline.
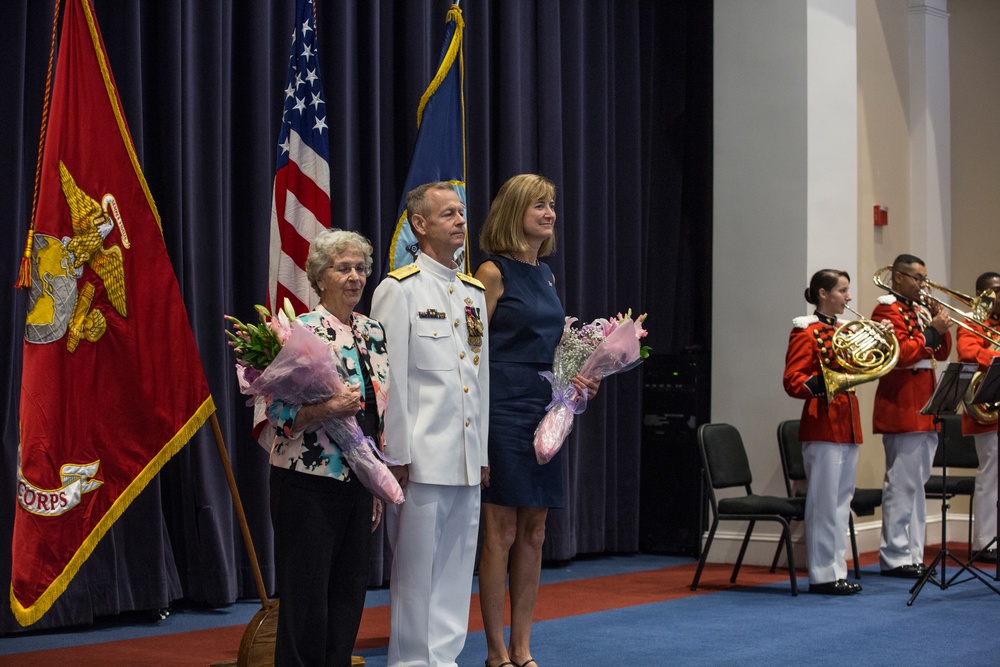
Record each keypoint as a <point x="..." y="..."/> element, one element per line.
<point x="525" y="321"/>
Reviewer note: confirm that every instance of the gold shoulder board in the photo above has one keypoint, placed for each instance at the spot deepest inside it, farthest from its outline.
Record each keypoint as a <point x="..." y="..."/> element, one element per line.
<point x="405" y="272"/>
<point x="466" y="278"/>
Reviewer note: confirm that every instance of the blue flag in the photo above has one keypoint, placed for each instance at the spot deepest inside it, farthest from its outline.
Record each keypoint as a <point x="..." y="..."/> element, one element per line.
<point x="439" y="153"/>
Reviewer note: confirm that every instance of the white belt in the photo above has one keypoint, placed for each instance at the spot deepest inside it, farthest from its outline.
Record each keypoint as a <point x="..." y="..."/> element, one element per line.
<point x="922" y="364"/>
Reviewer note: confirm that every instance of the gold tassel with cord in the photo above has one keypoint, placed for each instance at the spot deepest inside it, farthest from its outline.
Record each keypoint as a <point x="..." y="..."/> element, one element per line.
<point x="24" y="272"/>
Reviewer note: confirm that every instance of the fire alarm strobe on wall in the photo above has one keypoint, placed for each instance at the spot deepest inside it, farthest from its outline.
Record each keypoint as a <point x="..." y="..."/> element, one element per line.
<point x="881" y="215"/>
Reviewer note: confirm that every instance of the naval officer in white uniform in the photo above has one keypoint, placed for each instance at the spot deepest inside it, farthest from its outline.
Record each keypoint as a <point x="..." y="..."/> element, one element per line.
<point x="436" y="424"/>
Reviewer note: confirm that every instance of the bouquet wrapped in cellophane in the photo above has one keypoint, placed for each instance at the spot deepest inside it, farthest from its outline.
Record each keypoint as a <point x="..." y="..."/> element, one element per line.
<point x="595" y="351"/>
<point x="282" y="358"/>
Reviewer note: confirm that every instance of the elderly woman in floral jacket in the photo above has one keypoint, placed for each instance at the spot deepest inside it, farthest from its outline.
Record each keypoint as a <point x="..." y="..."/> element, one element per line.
<point x="320" y="512"/>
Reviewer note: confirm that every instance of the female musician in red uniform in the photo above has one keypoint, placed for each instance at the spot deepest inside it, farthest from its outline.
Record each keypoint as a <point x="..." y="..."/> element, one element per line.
<point x="829" y="430"/>
<point x="977" y="350"/>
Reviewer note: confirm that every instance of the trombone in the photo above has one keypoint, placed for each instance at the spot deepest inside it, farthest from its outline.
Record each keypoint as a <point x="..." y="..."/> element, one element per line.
<point x="981" y="413"/>
<point x="980" y="305"/>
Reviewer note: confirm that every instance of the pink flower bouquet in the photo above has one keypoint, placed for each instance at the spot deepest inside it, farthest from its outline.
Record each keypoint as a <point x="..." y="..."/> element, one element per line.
<point x="284" y="359"/>
<point x="595" y="350"/>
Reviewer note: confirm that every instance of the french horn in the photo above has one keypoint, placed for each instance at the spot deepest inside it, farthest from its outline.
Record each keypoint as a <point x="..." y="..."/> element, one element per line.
<point x="865" y="350"/>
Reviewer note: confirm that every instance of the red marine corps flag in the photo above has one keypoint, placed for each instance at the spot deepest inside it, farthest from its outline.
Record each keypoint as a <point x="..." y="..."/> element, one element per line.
<point x="112" y="384"/>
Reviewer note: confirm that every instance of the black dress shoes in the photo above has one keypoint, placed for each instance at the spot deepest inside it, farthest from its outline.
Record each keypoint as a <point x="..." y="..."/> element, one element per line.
<point x="838" y="587"/>
<point x="987" y="557"/>
<point x="905" y="572"/>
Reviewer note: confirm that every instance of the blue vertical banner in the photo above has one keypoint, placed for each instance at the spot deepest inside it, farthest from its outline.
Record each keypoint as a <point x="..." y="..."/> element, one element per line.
<point x="439" y="152"/>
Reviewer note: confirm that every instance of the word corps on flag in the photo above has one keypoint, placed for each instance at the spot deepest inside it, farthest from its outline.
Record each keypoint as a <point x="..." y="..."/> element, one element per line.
<point x="301" y="203"/>
<point x="112" y="383"/>
<point x="439" y="151"/>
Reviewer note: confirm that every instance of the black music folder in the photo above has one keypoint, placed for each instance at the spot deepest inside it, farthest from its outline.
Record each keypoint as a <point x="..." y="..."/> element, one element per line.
<point x="950" y="389"/>
<point x="989" y="388"/>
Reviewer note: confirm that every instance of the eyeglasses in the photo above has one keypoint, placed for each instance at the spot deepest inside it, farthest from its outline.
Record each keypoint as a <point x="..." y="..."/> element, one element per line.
<point x="361" y="269"/>
<point x="918" y="279"/>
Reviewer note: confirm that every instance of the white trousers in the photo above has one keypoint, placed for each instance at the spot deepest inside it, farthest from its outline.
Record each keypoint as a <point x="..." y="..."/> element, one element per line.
<point x="831" y="469"/>
<point x="908" y="458"/>
<point x="985" y="505"/>
<point x="433" y="536"/>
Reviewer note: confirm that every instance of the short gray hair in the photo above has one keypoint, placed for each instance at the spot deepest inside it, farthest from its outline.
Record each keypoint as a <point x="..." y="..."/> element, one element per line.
<point x="416" y="199"/>
<point x="330" y="243"/>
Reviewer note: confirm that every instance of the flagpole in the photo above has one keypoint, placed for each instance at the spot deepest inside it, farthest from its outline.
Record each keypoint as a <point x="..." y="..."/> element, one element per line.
<point x="238" y="505"/>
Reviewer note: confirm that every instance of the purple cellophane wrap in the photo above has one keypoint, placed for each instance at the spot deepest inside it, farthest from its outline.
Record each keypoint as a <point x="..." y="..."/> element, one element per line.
<point x="307" y="371"/>
<point x="619" y="349"/>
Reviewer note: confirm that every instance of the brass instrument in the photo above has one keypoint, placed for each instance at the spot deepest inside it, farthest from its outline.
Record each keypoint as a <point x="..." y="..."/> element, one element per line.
<point x="865" y="350"/>
<point x="980" y="305"/>
<point x="882" y="283"/>
<point x="981" y="413"/>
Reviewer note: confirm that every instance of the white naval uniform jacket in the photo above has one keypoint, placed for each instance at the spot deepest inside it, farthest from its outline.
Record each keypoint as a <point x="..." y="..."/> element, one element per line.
<point x="437" y="415"/>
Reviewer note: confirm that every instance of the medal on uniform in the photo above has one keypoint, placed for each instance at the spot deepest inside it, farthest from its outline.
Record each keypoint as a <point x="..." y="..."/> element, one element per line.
<point x="474" y="325"/>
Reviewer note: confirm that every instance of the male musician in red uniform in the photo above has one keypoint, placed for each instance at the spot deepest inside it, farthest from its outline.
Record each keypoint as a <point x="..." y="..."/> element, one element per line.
<point x="977" y="350"/>
<point x="909" y="438"/>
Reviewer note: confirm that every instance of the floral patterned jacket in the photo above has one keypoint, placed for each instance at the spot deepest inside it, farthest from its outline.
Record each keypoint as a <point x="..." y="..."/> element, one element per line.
<point x="312" y="451"/>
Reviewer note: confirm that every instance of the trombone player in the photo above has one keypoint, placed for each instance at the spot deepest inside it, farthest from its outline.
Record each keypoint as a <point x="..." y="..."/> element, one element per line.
<point x="908" y="437"/>
<point x="981" y="422"/>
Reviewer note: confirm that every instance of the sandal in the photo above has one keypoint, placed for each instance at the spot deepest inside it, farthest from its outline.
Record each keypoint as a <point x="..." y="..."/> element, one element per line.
<point x="525" y="663"/>
<point x="502" y="664"/>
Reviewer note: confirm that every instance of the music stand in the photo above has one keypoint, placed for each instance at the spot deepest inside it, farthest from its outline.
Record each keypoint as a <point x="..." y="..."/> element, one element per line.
<point x="989" y="392"/>
<point x="947" y="395"/>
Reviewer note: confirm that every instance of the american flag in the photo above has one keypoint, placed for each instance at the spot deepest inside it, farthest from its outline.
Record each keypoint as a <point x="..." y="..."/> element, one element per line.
<point x="300" y="207"/>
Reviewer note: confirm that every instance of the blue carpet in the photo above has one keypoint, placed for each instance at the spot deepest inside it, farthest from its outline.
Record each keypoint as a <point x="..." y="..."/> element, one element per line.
<point x="766" y="626"/>
<point x="762" y="625"/>
<point x="187" y="619"/>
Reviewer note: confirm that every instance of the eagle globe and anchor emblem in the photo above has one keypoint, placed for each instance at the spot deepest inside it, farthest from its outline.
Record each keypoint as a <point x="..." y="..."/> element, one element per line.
<point x="61" y="302"/>
<point x="58" y="303"/>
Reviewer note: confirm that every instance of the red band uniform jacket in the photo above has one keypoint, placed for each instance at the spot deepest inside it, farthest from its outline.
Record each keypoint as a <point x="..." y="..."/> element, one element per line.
<point x="838" y="420"/>
<point x="974" y="350"/>
<point x="905" y="390"/>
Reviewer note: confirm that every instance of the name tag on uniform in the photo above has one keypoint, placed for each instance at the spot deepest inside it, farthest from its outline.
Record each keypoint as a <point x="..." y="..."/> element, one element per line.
<point x="430" y="314"/>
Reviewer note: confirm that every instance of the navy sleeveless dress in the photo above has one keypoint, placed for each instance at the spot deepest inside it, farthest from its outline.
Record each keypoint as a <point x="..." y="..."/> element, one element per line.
<point x="524" y="330"/>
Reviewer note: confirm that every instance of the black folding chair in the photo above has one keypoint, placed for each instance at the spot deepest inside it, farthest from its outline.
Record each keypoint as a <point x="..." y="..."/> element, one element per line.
<point x="726" y="466"/>
<point x="863" y="503"/>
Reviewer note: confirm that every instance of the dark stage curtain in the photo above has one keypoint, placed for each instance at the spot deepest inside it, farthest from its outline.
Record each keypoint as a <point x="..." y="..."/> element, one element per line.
<point x="609" y="99"/>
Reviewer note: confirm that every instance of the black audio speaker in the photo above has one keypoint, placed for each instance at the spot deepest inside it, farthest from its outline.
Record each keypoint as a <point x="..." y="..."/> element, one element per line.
<point x="672" y="502"/>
